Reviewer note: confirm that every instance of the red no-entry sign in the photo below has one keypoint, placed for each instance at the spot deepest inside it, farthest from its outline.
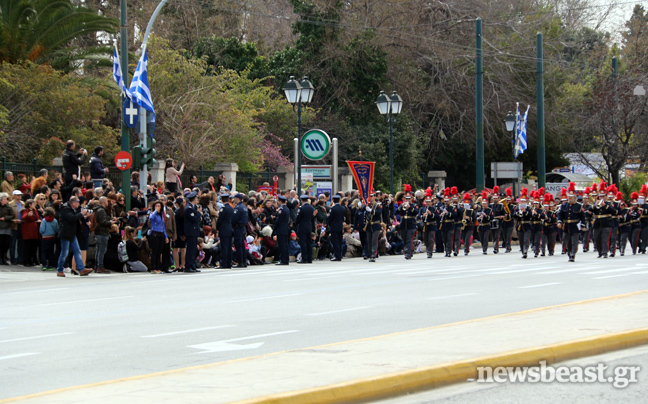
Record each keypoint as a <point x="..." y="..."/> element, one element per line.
<point x="123" y="160"/>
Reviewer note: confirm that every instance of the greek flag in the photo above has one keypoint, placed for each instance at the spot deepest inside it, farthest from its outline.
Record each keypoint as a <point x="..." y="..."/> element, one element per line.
<point x="521" y="131"/>
<point x="140" y="86"/>
<point x="117" y="75"/>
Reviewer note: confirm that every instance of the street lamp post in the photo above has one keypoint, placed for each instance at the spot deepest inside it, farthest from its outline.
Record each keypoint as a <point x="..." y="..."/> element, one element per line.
<point x="298" y="93"/>
<point x="390" y="106"/>
<point x="510" y="126"/>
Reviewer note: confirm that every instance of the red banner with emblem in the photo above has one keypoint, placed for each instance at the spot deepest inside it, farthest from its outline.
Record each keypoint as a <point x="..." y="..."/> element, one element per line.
<point x="363" y="174"/>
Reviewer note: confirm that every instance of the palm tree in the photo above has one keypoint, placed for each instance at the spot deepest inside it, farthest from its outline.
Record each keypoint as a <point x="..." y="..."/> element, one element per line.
<point x="49" y="31"/>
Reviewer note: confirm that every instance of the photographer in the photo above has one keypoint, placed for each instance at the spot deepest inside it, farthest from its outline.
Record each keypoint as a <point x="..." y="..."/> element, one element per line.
<point x="97" y="169"/>
<point x="72" y="161"/>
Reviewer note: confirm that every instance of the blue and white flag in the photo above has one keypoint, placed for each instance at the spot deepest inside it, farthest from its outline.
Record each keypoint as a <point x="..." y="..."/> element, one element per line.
<point x="521" y="131"/>
<point x="117" y="75"/>
<point x="140" y="86"/>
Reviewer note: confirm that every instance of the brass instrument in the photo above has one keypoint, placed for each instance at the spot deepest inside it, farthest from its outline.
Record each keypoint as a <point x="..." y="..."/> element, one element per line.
<point x="507" y="217"/>
<point x="464" y="221"/>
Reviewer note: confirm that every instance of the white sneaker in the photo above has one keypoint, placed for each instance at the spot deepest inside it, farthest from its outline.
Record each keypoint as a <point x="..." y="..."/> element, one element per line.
<point x="67" y="270"/>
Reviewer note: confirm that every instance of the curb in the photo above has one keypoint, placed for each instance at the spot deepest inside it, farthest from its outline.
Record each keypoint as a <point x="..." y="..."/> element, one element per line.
<point x="401" y="383"/>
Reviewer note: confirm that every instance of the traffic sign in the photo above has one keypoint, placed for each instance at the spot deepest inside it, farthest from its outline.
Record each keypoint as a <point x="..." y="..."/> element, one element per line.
<point x="130" y="113"/>
<point x="315" y="144"/>
<point x="123" y="160"/>
<point x="275" y="178"/>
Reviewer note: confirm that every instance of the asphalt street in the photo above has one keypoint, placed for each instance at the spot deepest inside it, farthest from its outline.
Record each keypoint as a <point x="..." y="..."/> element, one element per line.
<point x="541" y="393"/>
<point x="59" y="332"/>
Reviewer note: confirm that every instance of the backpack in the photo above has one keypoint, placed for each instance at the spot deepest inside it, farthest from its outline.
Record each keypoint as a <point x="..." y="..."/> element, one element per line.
<point x="93" y="221"/>
<point x="122" y="252"/>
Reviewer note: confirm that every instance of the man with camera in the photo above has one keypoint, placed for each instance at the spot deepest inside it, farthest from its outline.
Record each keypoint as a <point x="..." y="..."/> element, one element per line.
<point x="72" y="161"/>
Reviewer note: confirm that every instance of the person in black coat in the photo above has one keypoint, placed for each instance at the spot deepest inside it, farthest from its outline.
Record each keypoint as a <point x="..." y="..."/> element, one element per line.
<point x="239" y="223"/>
<point x="72" y="161"/>
<point x="224" y="227"/>
<point x="305" y="224"/>
<point x="336" y="227"/>
<point x="70" y="218"/>
<point x="192" y="232"/>
<point x="282" y="230"/>
<point x="180" y="243"/>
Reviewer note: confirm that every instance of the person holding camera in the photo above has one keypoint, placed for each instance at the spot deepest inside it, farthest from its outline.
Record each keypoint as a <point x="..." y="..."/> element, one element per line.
<point x="70" y="217"/>
<point x="72" y="161"/>
<point x="97" y="169"/>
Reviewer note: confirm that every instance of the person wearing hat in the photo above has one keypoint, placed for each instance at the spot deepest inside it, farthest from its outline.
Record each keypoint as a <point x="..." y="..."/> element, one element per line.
<point x="428" y="215"/>
<point x="225" y="231"/>
<point x="642" y="203"/>
<point x="239" y="224"/>
<point x="373" y="224"/>
<point x="634" y="217"/>
<point x="447" y="222"/>
<point x="191" y="232"/>
<point x="625" y="224"/>
<point x="484" y="217"/>
<point x="550" y="226"/>
<point x="523" y="213"/>
<point x="281" y="230"/>
<point x="615" y="199"/>
<point x="603" y="211"/>
<point x="458" y="215"/>
<point x="335" y="223"/>
<point x="570" y="216"/>
<point x="507" y="224"/>
<point x="537" y="218"/>
<point x="469" y="217"/>
<point x="304" y="226"/>
<point x="498" y="217"/>
<point x="407" y="212"/>
<point x="586" y="227"/>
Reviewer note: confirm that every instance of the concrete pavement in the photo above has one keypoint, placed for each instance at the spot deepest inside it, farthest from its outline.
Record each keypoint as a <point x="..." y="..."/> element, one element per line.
<point x="393" y="364"/>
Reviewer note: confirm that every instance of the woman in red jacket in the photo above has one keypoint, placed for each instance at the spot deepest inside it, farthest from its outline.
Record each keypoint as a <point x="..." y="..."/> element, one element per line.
<point x="29" y="228"/>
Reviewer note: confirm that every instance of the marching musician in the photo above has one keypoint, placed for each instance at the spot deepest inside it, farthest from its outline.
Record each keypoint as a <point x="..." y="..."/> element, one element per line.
<point x="523" y="214"/>
<point x="603" y="210"/>
<point x="484" y="217"/>
<point x="498" y="217"/>
<point x="586" y="227"/>
<point x="634" y="214"/>
<point x="428" y="215"/>
<point x="537" y="222"/>
<point x="550" y="225"/>
<point x="447" y="226"/>
<point x="615" y="197"/>
<point x="469" y="216"/>
<point x="408" y="213"/>
<point x="625" y="225"/>
<point x="570" y="216"/>
<point x="458" y="214"/>
<point x="508" y="206"/>
<point x="643" y="205"/>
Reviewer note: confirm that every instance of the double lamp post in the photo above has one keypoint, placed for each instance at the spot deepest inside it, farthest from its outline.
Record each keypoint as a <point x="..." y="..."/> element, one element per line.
<point x="298" y="93"/>
<point x="390" y="106"/>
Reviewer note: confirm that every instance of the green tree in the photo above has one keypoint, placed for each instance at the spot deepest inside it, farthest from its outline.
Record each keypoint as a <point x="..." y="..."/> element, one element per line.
<point x="232" y="54"/>
<point x="44" y="31"/>
<point x="45" y="108"/>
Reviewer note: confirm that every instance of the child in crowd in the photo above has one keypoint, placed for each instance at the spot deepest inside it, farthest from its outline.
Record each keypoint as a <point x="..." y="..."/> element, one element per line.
<point x="49" y="229"/>
<point x="294" y="250"/>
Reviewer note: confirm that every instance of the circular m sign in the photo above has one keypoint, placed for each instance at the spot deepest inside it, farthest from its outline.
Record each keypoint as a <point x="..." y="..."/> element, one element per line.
<point x="315" y="144"/>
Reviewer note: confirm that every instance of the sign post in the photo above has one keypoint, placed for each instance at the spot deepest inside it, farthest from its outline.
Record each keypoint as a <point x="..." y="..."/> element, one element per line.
<point x="123" y="160"/>
<point x="276" y="183"/>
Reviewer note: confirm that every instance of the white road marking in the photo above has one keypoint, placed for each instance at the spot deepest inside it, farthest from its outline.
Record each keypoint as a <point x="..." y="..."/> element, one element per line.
<point x="514" y="271"/>
<point x="450" y="296"/>
<point x="639" y="273"/>
<point x="18" y="355"/>
<point x="186" y="331"/>
<point x="262" y="298"/>
<point x="606" y="271"/>
<point x="226" y="345"/>
<point x="36" y="291"/>
<point x="540" y="285"/>
<point x="78" y="301"/>
<point x="36" y="337"/>
<point x="453" y="277"/>
<point x="338" y="311"/>
<point x="526" y="265"/>
<point x="609" y="276"/>
<point x="308" y="279"/>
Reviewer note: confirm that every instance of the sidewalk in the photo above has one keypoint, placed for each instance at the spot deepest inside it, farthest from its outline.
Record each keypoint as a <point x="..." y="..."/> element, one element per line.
<point x="387" y="365"/>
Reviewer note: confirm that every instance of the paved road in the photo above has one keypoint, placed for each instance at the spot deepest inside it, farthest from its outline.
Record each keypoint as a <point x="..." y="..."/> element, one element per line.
<point x="65" y="332"/>
<point x="541" y="393"/>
